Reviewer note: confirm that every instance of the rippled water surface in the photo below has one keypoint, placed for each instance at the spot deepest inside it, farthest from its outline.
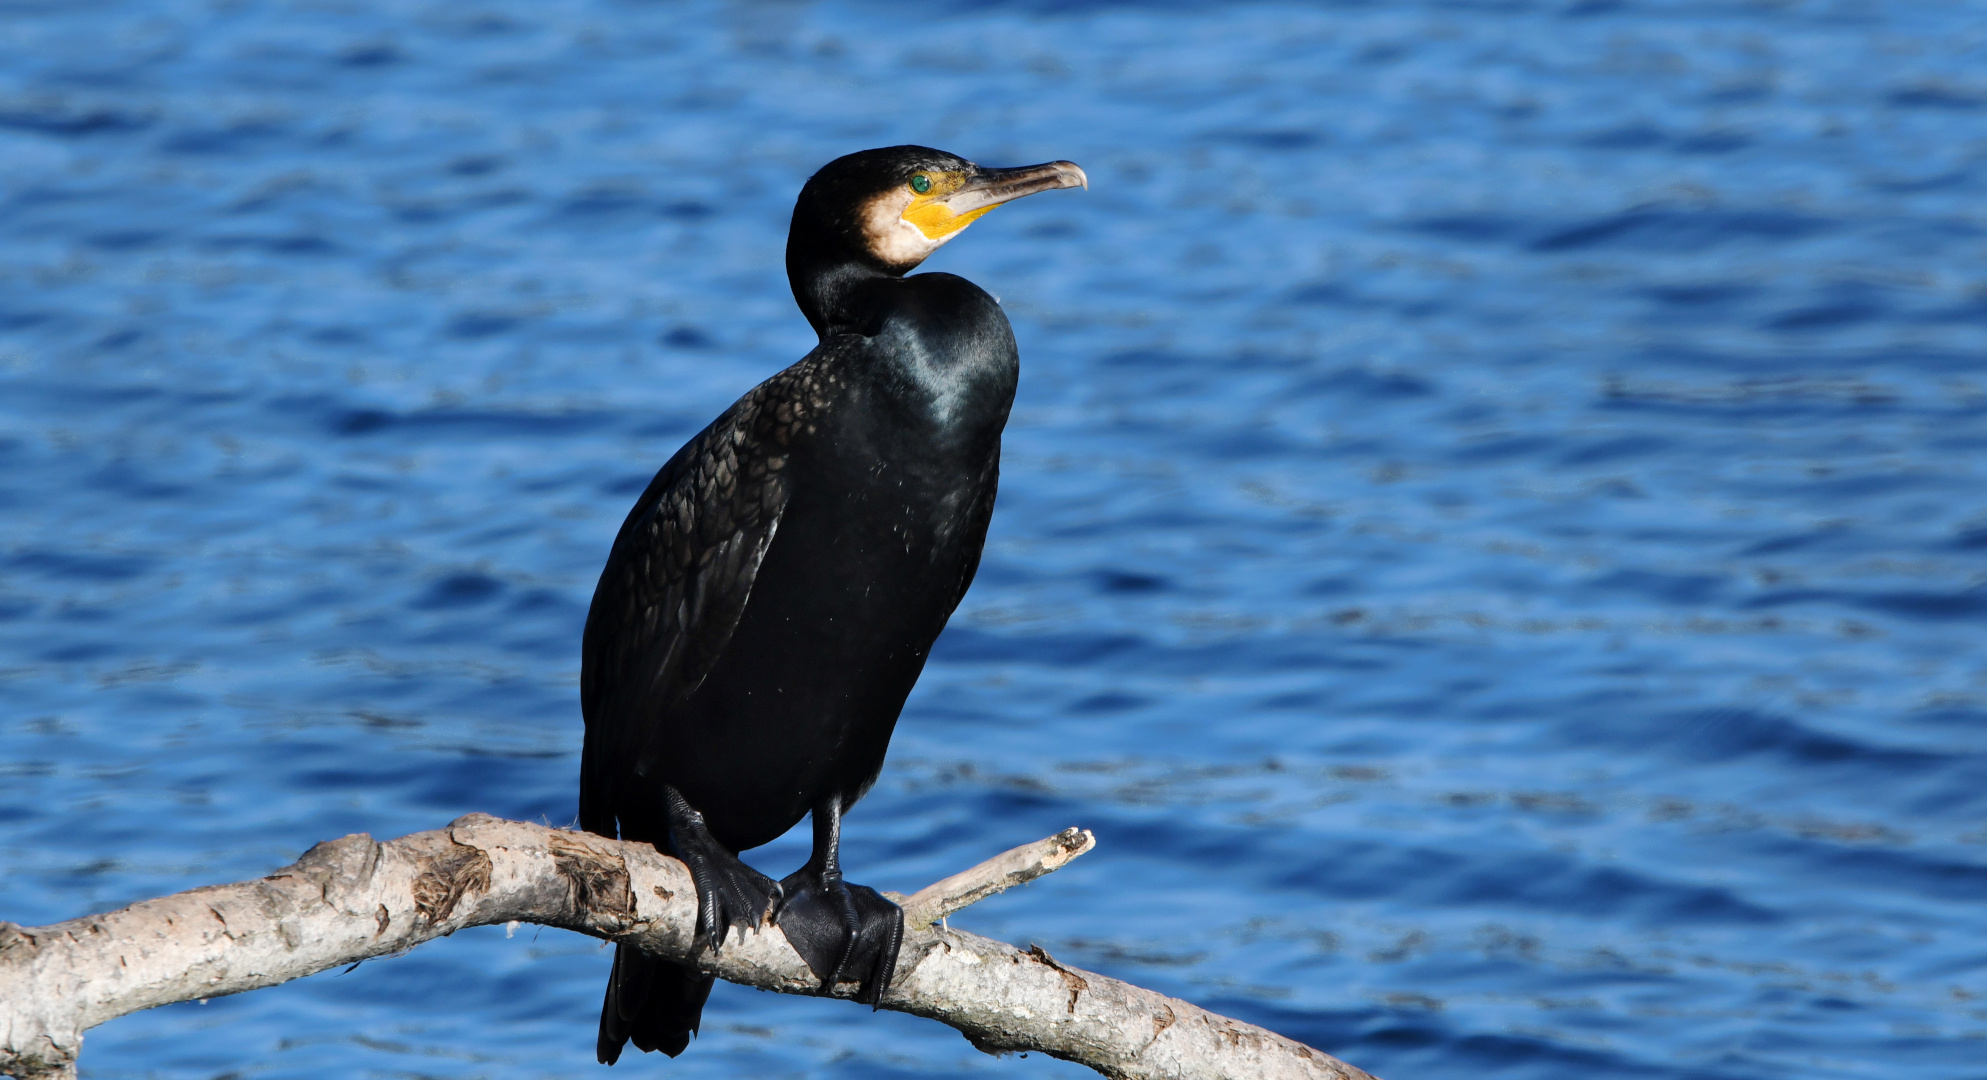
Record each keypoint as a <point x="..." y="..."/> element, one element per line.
<point x="1493" y="535"/>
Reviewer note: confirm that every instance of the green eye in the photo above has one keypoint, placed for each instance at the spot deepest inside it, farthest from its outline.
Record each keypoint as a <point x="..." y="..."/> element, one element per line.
<point x="921" y="183"/>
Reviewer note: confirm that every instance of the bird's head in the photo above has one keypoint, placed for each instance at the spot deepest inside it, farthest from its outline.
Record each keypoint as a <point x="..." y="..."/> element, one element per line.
<point x="891" y="208"/>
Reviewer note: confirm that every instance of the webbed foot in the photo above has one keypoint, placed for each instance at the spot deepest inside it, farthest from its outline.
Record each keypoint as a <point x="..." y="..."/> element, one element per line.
<point x="729" y="893"/>
<point x="846" y="933"/>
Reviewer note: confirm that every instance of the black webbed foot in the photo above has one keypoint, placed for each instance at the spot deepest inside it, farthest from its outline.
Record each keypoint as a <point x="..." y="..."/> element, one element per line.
<point x="729" y="893"/>
<point x="846" y="933"/>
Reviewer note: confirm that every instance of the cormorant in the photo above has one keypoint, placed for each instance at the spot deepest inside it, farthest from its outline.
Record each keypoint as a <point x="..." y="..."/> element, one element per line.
<point x="772" y="596"/>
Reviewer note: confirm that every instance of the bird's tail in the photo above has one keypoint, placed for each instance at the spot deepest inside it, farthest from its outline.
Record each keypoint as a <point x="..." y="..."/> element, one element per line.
<point x="652" y="1003"/>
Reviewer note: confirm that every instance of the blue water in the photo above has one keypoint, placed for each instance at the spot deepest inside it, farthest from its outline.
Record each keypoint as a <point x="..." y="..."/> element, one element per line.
<point x="1493" y="535"/>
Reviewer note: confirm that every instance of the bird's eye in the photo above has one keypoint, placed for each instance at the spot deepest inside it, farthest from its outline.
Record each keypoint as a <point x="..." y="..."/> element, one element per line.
<point x="921" y="183"/>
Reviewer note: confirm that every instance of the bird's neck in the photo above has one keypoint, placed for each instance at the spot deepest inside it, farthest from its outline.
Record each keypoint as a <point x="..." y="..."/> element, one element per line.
<point x="837" y="284"/>
<point x="835" y="294"/>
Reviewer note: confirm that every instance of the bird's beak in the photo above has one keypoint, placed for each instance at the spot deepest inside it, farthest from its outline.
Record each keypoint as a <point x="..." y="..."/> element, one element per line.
<point x="954" y="206"/>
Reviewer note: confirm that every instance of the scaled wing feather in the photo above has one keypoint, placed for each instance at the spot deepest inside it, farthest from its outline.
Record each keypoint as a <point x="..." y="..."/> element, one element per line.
<point x="685" y="561"/>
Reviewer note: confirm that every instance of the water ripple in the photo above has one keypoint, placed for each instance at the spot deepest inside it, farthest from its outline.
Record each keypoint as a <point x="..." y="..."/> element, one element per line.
<point x="1490" y="536"/>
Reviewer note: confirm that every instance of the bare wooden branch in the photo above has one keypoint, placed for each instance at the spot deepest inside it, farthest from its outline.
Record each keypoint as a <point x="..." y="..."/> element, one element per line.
<point x="354" y="899"/>
<point x="1016" y="866"/>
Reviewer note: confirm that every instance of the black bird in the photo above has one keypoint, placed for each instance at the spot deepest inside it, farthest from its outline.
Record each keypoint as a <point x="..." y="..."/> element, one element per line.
<point x="772" y="596"/>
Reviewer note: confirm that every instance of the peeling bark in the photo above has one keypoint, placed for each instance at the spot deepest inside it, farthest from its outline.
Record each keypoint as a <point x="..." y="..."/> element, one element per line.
<point x="353" y="899"/>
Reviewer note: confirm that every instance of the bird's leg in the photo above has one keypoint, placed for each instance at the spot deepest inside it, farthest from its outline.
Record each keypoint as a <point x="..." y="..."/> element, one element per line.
<point x="845" y="932"/>
<point x="729" y="893"/>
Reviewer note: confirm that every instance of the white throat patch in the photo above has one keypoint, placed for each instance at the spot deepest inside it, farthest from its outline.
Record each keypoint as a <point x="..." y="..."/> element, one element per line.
<point x="894" y="241"/>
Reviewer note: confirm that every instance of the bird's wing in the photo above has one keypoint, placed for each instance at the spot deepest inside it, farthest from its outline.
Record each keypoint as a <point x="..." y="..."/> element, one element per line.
<point x="974" y="525"/>
<point x="680" y="573"/>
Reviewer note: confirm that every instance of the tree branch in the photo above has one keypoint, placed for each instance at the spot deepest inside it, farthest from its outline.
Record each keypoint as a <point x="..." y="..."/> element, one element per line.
<point x="1017" y="866"/>
<point x="353" y="899"/>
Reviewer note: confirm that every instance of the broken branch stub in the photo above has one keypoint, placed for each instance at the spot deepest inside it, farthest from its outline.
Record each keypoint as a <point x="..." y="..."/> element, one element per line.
<point x="1016" y="866"/>
<point x="355" y="899"/>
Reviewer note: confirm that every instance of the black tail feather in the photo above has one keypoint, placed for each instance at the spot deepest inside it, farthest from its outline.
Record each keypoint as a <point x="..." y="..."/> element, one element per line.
<point x="652" y="1003"/>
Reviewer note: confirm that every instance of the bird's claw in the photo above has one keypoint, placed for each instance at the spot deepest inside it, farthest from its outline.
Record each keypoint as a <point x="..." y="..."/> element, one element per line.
<point x="729" y="893"/>
<point x="846" y="933"/>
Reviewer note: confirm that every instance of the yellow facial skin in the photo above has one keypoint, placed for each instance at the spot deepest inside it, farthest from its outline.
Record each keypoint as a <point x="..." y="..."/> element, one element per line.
<point x="903" y="226"/>
<point x="932" y="217"/>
